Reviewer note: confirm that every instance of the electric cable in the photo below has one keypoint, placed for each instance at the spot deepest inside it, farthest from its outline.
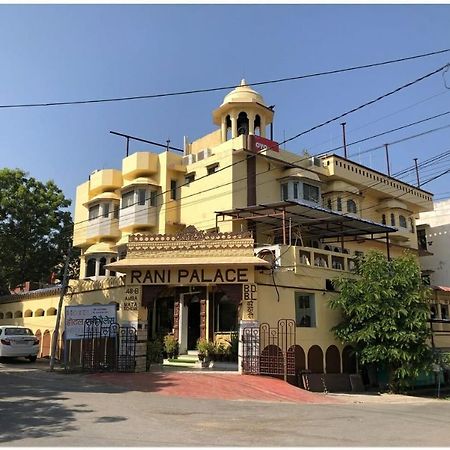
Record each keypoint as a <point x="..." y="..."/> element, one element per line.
<point x="221" y="88"/>
<point x="319" y="125"/>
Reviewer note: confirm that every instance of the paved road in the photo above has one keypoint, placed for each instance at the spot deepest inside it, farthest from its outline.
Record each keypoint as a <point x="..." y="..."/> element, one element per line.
<point x="38" y="408"/>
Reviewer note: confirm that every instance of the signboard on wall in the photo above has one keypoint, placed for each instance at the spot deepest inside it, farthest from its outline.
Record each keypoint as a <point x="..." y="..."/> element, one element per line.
<point x="259" y="144"/>
<point x="75" y="316"/>
<point x="249" y="297"/>
<point x="189" y="275"/>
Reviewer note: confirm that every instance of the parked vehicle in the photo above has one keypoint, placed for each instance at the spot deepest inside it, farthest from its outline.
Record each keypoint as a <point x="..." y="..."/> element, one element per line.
<point x="18" y="341"/>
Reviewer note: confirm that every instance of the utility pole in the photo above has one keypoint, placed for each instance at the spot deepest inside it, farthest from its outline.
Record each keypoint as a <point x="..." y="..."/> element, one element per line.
<point x="343" y="137"/>
<point x="417" y="172"/>
<point x="387" y="159"/>
<point x="60" y="305"/>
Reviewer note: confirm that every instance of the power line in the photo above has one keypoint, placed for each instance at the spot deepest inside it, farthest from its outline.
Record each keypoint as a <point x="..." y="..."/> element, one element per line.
<point x="408" y="125"/>
<point x="305" y="132"/>
<point x="446" y="91"/>
<point x="221" y="88"/>
<point x="407" y="138"/>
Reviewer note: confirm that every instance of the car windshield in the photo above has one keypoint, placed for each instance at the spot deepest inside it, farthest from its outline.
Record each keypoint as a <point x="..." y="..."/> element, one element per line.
<point x="18" y="332"/>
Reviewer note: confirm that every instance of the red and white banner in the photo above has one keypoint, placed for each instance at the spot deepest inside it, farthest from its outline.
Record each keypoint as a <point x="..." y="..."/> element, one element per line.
<point x="258" y="144"/>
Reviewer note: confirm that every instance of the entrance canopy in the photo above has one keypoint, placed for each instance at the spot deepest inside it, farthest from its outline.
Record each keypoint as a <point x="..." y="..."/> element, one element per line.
<point x="193" y="262"/>
<point x="314" y="220"/>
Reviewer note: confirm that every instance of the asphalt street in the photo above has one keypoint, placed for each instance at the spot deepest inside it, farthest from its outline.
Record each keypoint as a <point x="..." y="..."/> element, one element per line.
<point x="38" y="408"/>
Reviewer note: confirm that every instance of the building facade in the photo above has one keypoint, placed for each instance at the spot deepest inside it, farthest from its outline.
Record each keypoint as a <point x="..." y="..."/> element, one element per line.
<point x="433" y="230"/>
<point x="236" y="231"/>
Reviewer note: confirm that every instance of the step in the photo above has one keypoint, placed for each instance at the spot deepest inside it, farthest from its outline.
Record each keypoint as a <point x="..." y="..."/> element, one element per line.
<point x="192" y="352"/>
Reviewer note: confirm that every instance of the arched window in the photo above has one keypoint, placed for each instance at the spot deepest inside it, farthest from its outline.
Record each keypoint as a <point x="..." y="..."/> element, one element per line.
<point x="51" y="312"/>
<point x="18" y="314"/>
<point x="402" y="221"/>
<point x="351" y="206"/>
<point x="102" y="270"/>
<point x="339" y="204"/>
<point x="242" y="123"/>
<point x="39" y="313"/>
<point x="393" y="219"/>
<point x="257" y="125"/>
<point x="329" y="204"/>
<point x="28" y="313"/>
<point x="383" y="219"/>
<point x="90" y="267"/>
<point x="112" y="272"/>
<point x="228" y="125"/>
<point x="1" y="316"/>
<point x="8" y="315"/>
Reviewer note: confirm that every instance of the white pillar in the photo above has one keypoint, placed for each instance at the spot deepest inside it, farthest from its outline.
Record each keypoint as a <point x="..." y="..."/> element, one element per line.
<point x="263" y="126"/>
<point x="223" y="130"/>
<point x="183" y="326"/>
<point x="251" y="123"/>
<point x="97" y="266"/>
<point x="233" y="126"/>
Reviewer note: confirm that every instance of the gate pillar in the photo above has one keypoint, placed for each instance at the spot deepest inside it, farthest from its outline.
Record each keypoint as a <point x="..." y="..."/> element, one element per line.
<point x="203" y="319"/>
<point x="176" y="320"/>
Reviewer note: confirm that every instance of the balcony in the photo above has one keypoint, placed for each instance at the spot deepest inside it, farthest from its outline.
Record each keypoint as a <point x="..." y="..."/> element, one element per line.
<point x="139" y="164"/>
<point x="104" y="180"/>
<point x="136" y="216"/>
<point x="323" y="259"/>
<point x="103" y="227"/>
<point x="301" y="258"/>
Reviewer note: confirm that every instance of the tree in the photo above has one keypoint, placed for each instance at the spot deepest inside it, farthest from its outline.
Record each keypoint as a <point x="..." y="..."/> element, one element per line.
<point x="35" y="229"/>
<point x="385" y="315"/>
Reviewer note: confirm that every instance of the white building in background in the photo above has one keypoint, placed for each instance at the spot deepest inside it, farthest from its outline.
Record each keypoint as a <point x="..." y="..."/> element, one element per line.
<point x="433" y="231"/>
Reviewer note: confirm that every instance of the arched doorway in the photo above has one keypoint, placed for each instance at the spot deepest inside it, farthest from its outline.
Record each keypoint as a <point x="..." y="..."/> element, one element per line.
<point x="332" y="360"/>
<point x="38" y="335"/>
<point x="46" y="343"/>
<point x="348" y="360"/>
<point x="315" y="359"/>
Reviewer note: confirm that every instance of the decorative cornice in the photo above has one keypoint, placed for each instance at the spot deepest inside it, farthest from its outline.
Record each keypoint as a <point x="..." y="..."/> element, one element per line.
<point x="190" y="242"/>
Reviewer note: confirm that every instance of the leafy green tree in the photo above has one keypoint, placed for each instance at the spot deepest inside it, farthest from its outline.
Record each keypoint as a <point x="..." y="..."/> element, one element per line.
<point x="35" y="229"/>
<point x="385" y="313"/>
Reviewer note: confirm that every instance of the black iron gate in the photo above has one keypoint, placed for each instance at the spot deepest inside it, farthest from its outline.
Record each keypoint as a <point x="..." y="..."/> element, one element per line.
<point x="108" y="347"/>
<point x="269" y="351"/>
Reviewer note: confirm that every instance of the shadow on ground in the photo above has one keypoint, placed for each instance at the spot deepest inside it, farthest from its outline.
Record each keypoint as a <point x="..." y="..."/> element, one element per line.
<point x="34" y="403"/>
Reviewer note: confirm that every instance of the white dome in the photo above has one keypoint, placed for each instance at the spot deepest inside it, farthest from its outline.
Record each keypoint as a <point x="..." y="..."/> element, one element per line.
<point x="243" y="94"/>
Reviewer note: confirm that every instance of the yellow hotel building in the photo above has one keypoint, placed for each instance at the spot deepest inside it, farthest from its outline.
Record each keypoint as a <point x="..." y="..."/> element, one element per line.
<point x="235" y="232"/>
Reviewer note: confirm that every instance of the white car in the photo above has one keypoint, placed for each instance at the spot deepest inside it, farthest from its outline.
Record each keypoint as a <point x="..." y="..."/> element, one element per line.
<point x="18" y="341"/>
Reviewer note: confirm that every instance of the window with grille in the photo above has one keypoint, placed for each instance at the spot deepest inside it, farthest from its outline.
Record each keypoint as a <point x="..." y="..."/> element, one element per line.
<point x="305" y="315"/>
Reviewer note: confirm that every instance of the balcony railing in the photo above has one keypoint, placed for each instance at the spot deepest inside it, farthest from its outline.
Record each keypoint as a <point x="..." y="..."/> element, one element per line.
<point x="137" y="216"/>
<point x="102" y="227"/>
<point x="315" y="258"/>
<point x="324" y="259"/>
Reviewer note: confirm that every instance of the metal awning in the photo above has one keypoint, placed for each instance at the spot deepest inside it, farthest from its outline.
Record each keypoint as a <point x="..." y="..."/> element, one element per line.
<point x="314" y="220"/>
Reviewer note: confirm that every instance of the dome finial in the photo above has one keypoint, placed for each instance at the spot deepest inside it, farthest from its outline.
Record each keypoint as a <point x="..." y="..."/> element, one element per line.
<point x="243" y="82"/>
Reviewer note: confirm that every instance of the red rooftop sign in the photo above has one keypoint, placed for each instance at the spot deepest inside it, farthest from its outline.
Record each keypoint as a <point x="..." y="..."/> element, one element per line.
<point x="259" y="144"/>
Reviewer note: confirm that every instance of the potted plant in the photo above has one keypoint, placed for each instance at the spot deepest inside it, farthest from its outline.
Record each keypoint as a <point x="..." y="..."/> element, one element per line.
<point x="171" y="346"/>
<point x="204" y="349"/>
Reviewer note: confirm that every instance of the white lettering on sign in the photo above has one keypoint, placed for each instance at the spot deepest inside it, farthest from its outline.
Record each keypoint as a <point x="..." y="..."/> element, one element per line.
<point x="132" y="299"/>
<point x="190" y="276"/>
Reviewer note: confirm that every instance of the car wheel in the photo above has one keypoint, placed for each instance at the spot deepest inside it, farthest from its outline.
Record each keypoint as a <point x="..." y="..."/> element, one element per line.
<point x="32" y="358"/>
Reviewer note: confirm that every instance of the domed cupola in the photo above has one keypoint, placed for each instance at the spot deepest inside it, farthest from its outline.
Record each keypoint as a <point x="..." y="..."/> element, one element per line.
<point x="242" y="111"/>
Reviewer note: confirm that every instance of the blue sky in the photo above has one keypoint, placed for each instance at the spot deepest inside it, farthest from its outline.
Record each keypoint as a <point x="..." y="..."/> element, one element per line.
<point x="73" y="52"/>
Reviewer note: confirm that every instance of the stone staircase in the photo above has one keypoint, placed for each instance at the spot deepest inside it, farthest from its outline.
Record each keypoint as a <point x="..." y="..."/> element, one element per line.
<point x="188" y="360"/>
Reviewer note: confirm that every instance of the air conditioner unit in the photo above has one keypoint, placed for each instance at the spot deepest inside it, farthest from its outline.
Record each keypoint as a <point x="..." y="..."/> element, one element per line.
<point x="203" y="154"/>
<point x="315" y="162"/>
<point x="271" y="253"/>
<point x="188" y="159"/>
